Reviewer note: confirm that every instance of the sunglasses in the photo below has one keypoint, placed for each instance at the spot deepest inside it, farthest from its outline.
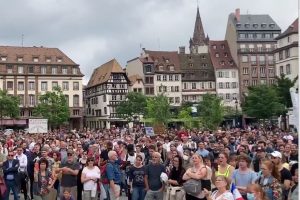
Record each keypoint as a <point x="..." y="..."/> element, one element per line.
<point x="10" y="155"/>
<point x="70" y="154"/>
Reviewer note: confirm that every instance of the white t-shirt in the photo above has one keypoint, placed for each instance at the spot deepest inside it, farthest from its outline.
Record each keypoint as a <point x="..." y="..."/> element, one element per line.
<point x="91" y="173"/>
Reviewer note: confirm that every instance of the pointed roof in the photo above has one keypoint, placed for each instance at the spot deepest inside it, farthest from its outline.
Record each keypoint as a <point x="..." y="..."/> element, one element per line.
<point x="102" y="73"/>
<point x="199" y="36"/>
<point x="292" y="29"/>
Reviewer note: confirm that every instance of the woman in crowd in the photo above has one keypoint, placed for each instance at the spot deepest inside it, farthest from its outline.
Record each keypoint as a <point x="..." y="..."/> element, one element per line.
<point x="243" y="176"/>
<point x="56" y="163"/>
<point x="43" y="181"/>
<point x="90" y="177"/>
<point x="255" y="192"/>
<point x="198" y="171"/>
<point x="224" y="169"/>
<point x="177" y="172"/>
<point x="136" y="179"/>
<point x="222" y="193"/>
<point x="270" y="180"/>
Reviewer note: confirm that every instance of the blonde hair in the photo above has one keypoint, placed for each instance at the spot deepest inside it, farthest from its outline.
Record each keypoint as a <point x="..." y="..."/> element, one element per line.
<point x="224" y="179"/>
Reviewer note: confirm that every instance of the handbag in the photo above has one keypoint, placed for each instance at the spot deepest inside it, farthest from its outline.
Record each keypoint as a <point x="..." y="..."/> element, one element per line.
<point x="192" y="187"/>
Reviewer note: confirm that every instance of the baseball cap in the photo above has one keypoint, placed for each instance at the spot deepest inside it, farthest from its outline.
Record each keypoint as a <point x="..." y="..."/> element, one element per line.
<point x="276" y="154"/>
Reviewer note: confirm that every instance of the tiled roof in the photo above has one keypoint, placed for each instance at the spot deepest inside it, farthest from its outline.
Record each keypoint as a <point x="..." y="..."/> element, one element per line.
<point x="293" y="28"/>
<point x="221" y="48"/>
<point x="253" y="20"/>
<point x="163" y="58"/>
<point x="134" y="78"/>
<point x="102" y="73"/>
<point x="27" y="54"/>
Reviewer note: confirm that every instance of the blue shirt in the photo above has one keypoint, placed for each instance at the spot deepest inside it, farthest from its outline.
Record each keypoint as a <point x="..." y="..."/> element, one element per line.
<point x="10" y="176"/>
<point x="204" y="153"/>
<point x="113" y="172"/>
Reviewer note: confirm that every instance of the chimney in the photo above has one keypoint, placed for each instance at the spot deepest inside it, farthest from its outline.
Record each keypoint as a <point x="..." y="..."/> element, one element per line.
<point x="182" y="50"/>
<point x="237" y="14"/>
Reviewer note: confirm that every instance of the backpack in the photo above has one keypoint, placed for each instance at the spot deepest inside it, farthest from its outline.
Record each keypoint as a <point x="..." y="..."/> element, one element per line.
<point x="104" y="178"/>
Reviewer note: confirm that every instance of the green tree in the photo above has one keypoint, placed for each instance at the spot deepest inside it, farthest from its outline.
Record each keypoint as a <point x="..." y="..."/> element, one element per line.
<point x="262" y="102"/>
<point x="54" y="107"/>
<point x="185" y="114"/>
<point x="282" y="86"/>
<point x="9" y="105"/>
<point x="134" y="105"/>
<point x="211" y="111"/>
<point x="158" y="109"/>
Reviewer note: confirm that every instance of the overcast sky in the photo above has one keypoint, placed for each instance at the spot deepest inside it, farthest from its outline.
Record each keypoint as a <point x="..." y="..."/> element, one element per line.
<point x="91" y="32"/>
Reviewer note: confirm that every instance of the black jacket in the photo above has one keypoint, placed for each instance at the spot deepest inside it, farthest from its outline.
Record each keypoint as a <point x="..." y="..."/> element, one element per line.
<point x="11" y="170"/>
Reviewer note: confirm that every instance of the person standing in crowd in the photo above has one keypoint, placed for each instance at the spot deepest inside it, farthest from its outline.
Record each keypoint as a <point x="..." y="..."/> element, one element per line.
<point x="43" y="182"/>
<point x="33" y="157"/>
<point x="243" y="176"/>
<point x="257" y="158"/>
<point x="114" y="175"/>
<point x="256" y="192"/>
<point x="201" y="150"/>
<point x="224" y="169"/>
<point x="294" y="153"/>
<point x="22" y="170"/>
<point x="82" y="162"/>
<point x="198" y="171"/>
<point x="136" y="179"/>
<point x="90" y="177"/>
<point x="10" y="171"/>
<point x="222" y="193"/>
<point x="69" y="170"/>
<point x="153" y="184"/>
<point x="285" y="174"/>
<point x="270" y="180"/>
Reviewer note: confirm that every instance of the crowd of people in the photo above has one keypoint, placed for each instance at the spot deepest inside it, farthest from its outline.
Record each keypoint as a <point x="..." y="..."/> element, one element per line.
<point x="179" y="164"/>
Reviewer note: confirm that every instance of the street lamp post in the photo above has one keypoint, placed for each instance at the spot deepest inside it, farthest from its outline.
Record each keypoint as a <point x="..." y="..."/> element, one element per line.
<point x="236" y="111"/>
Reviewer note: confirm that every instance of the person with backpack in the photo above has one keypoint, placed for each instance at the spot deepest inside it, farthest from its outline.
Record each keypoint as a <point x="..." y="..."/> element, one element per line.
<point x="270" y="180"/>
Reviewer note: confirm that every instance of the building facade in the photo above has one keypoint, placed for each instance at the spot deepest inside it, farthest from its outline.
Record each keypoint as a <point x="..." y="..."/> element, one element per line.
<point x="136" y="84"/>
<point x="251" y="39"/>
<point x="198" y="76"/>
<point x="28" y="72"/>
<point x="286" y="54"/>
<point x="226" y="72"/>
<point x="167" y="75"/>
<point x="107" y="87"/>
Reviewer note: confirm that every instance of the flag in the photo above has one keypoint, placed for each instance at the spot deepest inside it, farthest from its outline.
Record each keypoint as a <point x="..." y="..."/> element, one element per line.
<point x="235" y="192"/>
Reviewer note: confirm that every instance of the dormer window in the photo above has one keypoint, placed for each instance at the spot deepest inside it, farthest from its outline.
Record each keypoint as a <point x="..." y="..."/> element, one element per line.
<point x="35" y="59"/>
<point x="161" y="68"/>
<point x="20" y="59"/>
<point x="225" y="55"/>
<point x="3" y="58"/>
<point x="231" y="62"/>
<point x="214" y="46"/>
<point x="171" y="68"/>
<point x="191" y="64"/>
<point x="272" y="25"/>
<point x="48" y="59"/>
<point x="255" y="25"/>
<point x="59" y="60"/>
<point x="222" y="46"/>
<point x="263" y="25"/>
<point x="222" y="63"/>
<point x="217" y="55"/>
<point x="238" y="25"/>
<point x="247" y="25"/>
<point x="167" y="61"/>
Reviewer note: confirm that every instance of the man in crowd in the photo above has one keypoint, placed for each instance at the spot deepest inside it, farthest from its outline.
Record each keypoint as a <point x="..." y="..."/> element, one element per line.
<point x="69" y="170"/>
<point x="114" y="175"/>
<point x="22" y="158"/>
<point x="153" y="184"/>
<point x="10" y="171"/>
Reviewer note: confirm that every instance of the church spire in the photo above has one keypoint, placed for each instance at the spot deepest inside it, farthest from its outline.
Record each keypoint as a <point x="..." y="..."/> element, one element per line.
<point x="199" y="36"/>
